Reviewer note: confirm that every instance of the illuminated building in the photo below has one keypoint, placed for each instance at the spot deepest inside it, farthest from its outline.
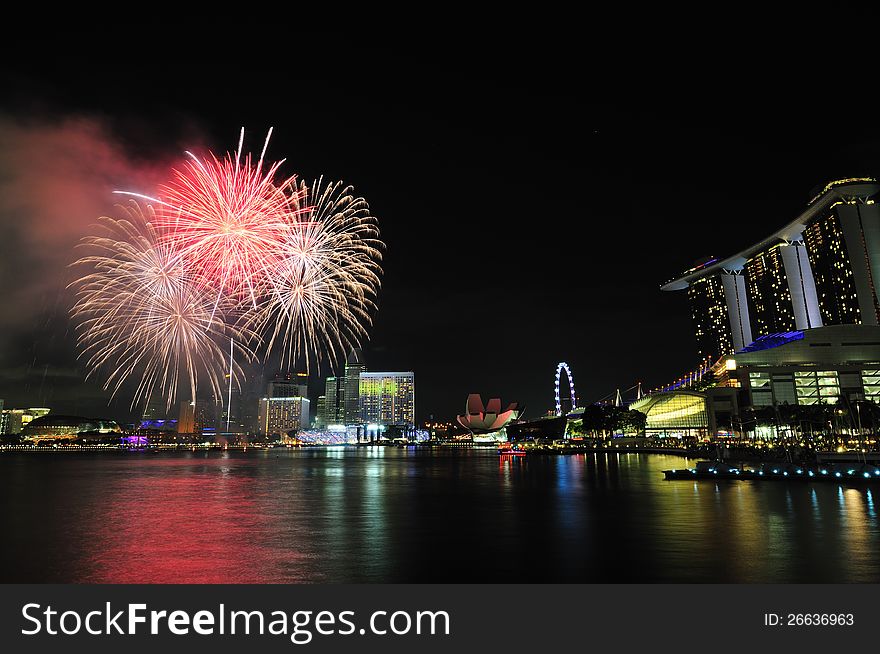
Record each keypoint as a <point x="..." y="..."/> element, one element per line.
<point x="360" y="399"/>
<point x="196" y="417"/>
<point x="816" y="366"/>
<point x="832" y="365"/>
<point x="13" y="421"/>
<point x="321" y="412"/>
<point x="819" y="269"/>
<point x="186" y="423"/>
<point x="769" y="295"/>
<point x="841" y="262"/>
<point x="351" y="414"/>
<point x="285" y="406"/>
<point x="487" y="422"/>
<point x="279" y="415"/>
<point x="57" y="427"/>
<point x="10" y="421"/>
<point x="679" y="414"/>
<point x="288" y="385"/>
<point x="334" y="402"/>
<point x="387" y="398"/>
<point x="709" y="312"/>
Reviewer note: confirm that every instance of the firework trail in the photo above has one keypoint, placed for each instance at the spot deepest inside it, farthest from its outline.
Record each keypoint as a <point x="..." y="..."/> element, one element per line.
<point x="140" y="313"/>
<point x="226" y="253"/>
<point x="230" y="218"/>
<point x="325" y="285"/>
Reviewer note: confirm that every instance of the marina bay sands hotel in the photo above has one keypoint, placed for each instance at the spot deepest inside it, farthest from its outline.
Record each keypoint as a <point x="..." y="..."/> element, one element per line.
<point x="820" y="269"/>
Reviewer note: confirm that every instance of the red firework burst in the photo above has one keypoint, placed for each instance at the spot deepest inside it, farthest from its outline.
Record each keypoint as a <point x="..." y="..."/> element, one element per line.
<point x="230" y="219"/>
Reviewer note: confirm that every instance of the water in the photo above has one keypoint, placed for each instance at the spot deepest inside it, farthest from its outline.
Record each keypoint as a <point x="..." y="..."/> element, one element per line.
<point x="395" y="515"/>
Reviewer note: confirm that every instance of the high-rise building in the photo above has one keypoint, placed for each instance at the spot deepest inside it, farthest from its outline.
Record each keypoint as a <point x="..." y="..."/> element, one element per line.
<point x="360" y="397"/>
<point x="321" y="412"/>
<point x="769" y="296"/>
<point x="197" y="417"/>
<point x="288" y="384"/>
<point x="819" y="269"/>
<point x="844" y="249"/>
<point x="334" y="402"/>
<point x="709" y="313"/>
<point x="387" y="398"/>
<point x="354" y="366"/>
<point x="285" y="406"/>
<point x="12" y="421"/>
<point x="155" y="409"/>
<point x="186" y="420"/>
<point x="279" y="415"/>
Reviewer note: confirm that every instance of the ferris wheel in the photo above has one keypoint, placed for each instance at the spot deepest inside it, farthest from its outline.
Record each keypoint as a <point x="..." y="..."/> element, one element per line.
<point x="559" y="368"/>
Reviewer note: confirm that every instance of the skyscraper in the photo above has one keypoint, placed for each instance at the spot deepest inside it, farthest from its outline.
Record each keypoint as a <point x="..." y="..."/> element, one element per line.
<point x="769" y="296"/>
<point x="288" y="384"/>
<point x="351" y="395"/>
<point x="279" y="415"/>
<point x="10" y="421"/>
<point x="387" y="398"/>
<point x="819" y="269"/>
<point x="285" y="406"/>
<point x="710" y="316"/>
<point x="334" y="402"/>
<point x="844" y="250"/>
<point x="321" y="412"/>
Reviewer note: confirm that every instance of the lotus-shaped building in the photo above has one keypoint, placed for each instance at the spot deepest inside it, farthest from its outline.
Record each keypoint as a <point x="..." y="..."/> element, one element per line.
<point x="489" y="419"/>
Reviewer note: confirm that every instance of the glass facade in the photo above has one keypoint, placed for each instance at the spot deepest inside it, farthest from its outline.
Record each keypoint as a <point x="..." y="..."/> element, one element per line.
<point x="678" y="413"/>
<point x="784" y="388"/>
<point x="321" y="412"/>
<point x="799" y="387"/>
<point x="871" y="384"/>
<point x="769" y="296"/>
<point x="816" y="386"/>
<point x="762" y="392"/>
<point x="350" y="406"/>
<point x="710" y="316"/>
<point x="334" y="402"/>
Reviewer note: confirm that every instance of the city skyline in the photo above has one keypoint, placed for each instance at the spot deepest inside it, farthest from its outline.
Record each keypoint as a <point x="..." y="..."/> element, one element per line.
<point x="480" y="300"/>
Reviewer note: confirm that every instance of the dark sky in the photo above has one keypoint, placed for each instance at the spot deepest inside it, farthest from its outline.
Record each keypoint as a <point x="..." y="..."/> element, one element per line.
<point x="532" y="197"/>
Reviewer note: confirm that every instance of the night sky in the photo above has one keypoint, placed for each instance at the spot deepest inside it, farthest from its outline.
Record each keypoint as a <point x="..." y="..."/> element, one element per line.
<point x="532" y="198"/>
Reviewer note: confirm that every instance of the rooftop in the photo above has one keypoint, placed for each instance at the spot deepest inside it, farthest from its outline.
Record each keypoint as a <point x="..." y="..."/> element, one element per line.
<point x="838" y="190"/>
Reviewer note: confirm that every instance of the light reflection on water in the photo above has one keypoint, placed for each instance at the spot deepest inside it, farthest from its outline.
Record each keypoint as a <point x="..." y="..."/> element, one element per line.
<point x="398" y="515"/>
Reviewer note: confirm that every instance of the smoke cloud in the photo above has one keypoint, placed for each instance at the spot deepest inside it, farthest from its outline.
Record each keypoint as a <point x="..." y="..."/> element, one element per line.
<point x="56" y="178"/>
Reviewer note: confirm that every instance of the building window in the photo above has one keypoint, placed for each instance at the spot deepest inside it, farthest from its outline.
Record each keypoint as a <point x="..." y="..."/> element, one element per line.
<point x="817" y="386"/>
<point x="759" y="380"/>
<point x="871" y="384"/>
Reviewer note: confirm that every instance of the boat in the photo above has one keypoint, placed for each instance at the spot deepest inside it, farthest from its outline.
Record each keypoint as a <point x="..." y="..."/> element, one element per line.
<point x="506" y="449"/>
<point x="714" y="470"/>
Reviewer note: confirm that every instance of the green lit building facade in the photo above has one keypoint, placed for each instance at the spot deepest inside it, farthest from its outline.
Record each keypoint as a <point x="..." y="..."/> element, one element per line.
<point x="387" y="398"/>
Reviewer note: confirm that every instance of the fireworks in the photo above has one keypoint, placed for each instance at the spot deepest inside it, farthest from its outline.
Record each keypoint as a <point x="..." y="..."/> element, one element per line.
<point x="139" y="310"/>
<point x="226" y="252"/>
<point x="325" y="285"/>
<point x="231" y="220"/>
